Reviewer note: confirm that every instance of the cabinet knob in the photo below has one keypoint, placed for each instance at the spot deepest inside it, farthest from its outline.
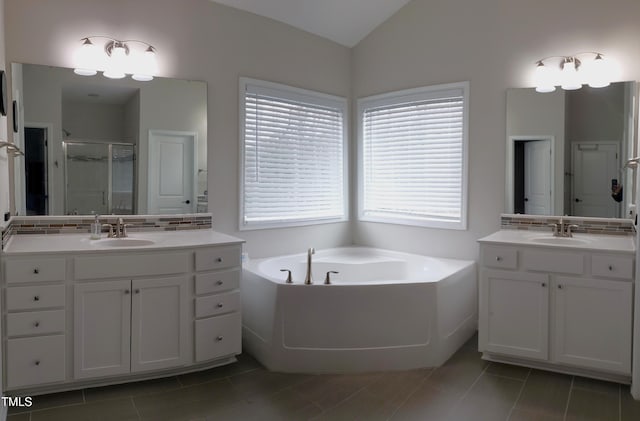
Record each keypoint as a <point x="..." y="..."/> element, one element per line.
<point x="126" y="291"/>
<point x="137" y="291"/>
<point x="610" y="268"/>
<point x="219" y="283"/>
<point x="36" y="324"/>
<point x="219" y="260"/>
<point x="36" y="298"/>
<point x="559" y="286"/>
<point x="220" y="305"/>
<point x="219" y="338"/>
<point x="36" y="271"/>
<point x="37" y="362"/>
<point x="544" y="284"/>
<point x="498" y="258"/>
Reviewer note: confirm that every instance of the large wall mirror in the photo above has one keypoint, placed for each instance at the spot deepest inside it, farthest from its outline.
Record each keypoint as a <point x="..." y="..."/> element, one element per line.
<point x="101" y="146"/>
<point x="567" y="150"/>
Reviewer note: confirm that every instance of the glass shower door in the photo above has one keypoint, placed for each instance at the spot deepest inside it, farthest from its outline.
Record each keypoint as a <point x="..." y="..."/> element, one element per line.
<point x="99" y="178"/>
<point x="87" y="178"/>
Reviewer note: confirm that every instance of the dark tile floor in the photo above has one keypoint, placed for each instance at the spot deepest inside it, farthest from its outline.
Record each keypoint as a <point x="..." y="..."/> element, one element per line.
<point x="464" y="388"/>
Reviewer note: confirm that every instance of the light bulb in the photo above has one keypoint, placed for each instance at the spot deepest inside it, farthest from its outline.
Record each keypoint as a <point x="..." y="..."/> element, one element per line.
<point x="570" y="77"/>
<point x="598" y="72"/>
<point x="87" y="59"/>
<point x="544" y="78"/>
<point x="117" y="62"/>
<point x="146" y="66"/>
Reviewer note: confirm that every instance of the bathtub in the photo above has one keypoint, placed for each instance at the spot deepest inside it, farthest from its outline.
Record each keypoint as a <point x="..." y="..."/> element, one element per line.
<point x="384" y="310"/>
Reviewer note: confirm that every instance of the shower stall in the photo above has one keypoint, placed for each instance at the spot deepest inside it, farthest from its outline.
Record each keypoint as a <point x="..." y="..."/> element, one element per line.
<point x="99" y="178"/>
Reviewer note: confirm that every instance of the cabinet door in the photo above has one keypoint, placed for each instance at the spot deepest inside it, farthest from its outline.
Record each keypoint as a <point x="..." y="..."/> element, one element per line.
<point x="159" y="323"/>
<point x="102" y="328"/>
<point x="514" y="313"/>
<point x="593" y="323"/>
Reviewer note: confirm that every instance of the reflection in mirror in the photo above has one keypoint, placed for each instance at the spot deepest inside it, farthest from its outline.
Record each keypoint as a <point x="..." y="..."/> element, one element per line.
<point x="566" y="151"/>
<point x="102" y="146"/>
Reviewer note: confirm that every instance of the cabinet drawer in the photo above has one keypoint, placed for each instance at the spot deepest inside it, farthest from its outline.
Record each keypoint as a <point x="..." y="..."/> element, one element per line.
<point x="499" y="257"/>
<point x="553" y="261"/>
<point x="35" y="323"/>
<point x="218" y="337"/>
<point x="620" y="267"/>
<point x="224" y="280"/>
<point x="217" y="258"/>
<point x="35" y="361"/>
<point x="34" y="297"/>
<point x="217" y="304"/>
<point x="133" y="264"/>
<point x="35" y="270"/>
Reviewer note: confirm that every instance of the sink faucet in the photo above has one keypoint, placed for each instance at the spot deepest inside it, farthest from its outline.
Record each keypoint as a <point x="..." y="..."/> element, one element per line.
<point x="121" y="229"/>
<point x="563" y="229"/>
<point x="307" y="279"/>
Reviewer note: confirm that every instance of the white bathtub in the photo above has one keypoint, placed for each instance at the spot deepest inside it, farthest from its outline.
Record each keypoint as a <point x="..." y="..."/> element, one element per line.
<point x="385" y="310"/>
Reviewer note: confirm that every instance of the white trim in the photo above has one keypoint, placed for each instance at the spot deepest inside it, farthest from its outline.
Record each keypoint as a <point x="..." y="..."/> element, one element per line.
<point x="410" y="95"/>
<point x="303" y="95"/>
<point x="511" y="140"/>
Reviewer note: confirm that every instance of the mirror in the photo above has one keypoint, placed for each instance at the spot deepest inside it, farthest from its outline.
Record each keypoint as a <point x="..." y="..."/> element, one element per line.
<point x="567" y="150"/>
<point x="105" y="146"/>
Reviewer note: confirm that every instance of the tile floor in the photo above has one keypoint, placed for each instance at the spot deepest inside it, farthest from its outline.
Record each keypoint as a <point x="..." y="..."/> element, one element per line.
<point x="464" y="388"/>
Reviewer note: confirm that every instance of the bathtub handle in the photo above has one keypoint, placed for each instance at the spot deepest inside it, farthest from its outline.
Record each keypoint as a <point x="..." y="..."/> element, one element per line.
<point x="289" y="280"/>
<point x="327" y="280"/>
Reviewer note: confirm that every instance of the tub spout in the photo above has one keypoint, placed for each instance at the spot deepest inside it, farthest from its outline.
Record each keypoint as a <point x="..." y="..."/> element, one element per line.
<point x="307" y="279"/>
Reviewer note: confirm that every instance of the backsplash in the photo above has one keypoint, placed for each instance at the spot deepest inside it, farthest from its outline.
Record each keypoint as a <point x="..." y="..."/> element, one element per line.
<point x="585" y="224"/>
<point x="79" y="224"/>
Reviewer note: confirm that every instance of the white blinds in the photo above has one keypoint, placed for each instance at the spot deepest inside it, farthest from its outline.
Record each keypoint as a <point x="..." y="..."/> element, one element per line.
<point x="293" y="156"/>
<point x="412" y="156"/>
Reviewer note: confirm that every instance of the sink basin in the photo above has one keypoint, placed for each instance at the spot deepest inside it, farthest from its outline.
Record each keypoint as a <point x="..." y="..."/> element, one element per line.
<point x="568" y="241"/>
<point x="126" y="242"/>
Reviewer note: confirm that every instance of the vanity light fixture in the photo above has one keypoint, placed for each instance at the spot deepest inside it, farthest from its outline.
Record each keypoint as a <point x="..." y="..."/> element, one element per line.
<point x="117" y="59"/>
<point x="571" y="72"/>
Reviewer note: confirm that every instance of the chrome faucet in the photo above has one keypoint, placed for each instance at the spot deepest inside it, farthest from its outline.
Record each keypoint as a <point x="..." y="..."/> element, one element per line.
<point x="307" y="279"/>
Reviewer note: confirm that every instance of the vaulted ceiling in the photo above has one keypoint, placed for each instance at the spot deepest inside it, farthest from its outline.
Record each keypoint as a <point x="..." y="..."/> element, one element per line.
<point x="343" y="21"/>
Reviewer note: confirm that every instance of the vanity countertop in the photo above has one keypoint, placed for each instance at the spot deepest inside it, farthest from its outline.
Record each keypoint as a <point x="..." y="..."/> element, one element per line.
<point x="80" y="243"/>
<point x="588" y="242"/>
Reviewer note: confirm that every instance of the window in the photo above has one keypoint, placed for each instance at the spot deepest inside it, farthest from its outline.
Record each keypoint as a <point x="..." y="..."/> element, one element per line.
<point x="412" y="152"/>
<point x="293" y="152"/>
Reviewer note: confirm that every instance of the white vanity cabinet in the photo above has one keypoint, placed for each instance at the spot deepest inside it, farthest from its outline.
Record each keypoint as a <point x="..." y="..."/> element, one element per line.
<point x="130" y="325"/>
<point x="82" y="319"/>
<point x="218" y="324"/>
<point x="35" y="309"/>
<point x="557" y="308"/>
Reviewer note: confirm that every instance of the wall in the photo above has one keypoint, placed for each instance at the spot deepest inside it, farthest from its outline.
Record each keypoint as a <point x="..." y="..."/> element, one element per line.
<point x="4" y="161"/>
<point x="198" y="40"/>
<point x="494" y="44"/>
<point x="533" y="114"/>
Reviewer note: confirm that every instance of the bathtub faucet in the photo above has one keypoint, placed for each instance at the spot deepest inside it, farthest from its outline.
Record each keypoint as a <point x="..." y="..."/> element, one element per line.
<point x="307" y="279"/>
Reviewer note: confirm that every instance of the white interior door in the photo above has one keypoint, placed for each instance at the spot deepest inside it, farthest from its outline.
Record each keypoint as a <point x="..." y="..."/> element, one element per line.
<point x="537" y="177"/>
<point x="171" y="183"/>
<point x="594" y="166"/>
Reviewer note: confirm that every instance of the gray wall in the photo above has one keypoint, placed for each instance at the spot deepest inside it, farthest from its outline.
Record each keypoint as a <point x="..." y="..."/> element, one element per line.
<point x="494" y="44"/>
<point x="4" y="162"/>
<point x="198" y="40"/>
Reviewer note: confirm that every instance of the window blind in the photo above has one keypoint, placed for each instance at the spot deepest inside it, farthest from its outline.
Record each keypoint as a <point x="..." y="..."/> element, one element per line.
<point x="412" y="157"/>
<point x="293" y="156"/>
